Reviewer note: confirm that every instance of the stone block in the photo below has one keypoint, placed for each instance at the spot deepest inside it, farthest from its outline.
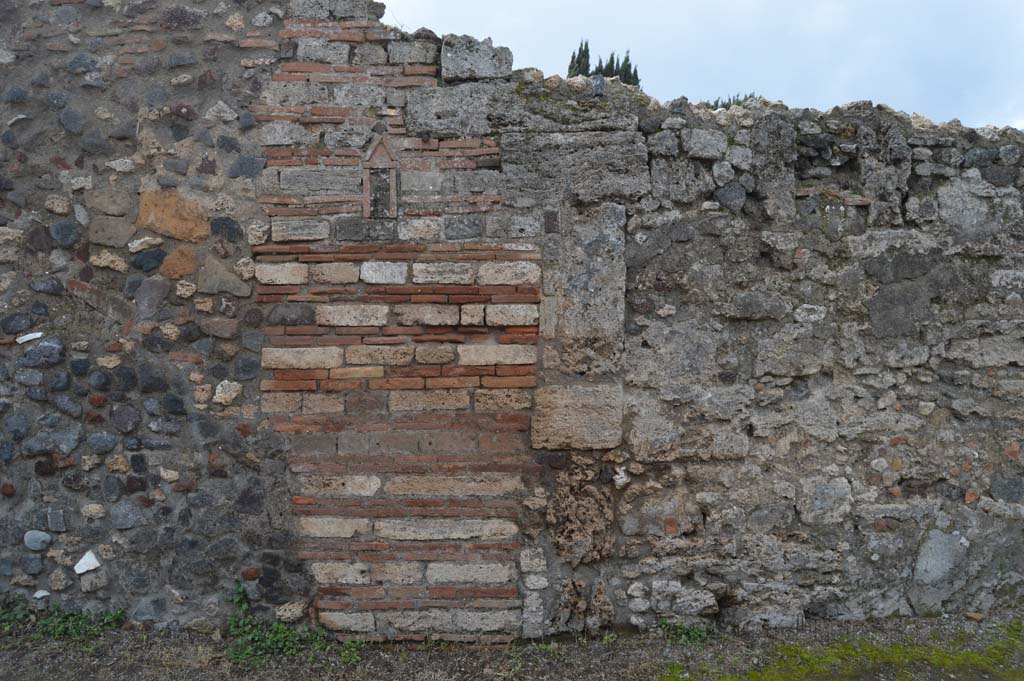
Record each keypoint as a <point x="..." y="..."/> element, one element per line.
<point x="387" y="355"/>
<point x="339" y="485"/>
<point x="412" y="52"/>
<point x="282" y="273"/>
<point x="285" y="133"/>
<point x="281" y="403"/>
<point x="326" y="181"/>
<point x="427" y="315"/>
<point x="437" y="529"/>
<point x="466" y="58"/>
<point x="487" y="621"/>
<point x="469" y="573"/>
<point x="312" y="229"/>
<point x="361" y="96"/>
<point x="509" y="274"/>
<point x="384" y="272"/>
<point x="352" y="314"/>
<point x="473" y="315"/>
<point x="435" y="354"/>
<point x="321" y="50"/>
<point x="335" y="273"/>
<point x="333" y="528"/>
<point x="353" y="622"/>
<point x="303" y="358"/>
<point x="443" y="273"/>
<point x="510" y="399"/>
<point x="483" y="355"/>
<point x="581" y="416"/>
<point x="428" y="400"/>
<point x="482" y="485"/>
<point x="317" y="403"/>
<point x="513" y="315"/>
<point x="705" y="144"/>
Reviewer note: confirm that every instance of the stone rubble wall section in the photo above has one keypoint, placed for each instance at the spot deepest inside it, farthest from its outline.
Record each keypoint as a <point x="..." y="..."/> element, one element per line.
<point x="416" y="345"/>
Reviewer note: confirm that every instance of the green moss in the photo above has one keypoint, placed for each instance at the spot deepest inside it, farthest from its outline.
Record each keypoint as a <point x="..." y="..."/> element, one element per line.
<point x="1000" y="660"/>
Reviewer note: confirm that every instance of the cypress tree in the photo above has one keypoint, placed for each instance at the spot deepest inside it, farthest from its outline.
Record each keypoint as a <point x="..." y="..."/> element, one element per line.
<point x="574" y="66"/>
<point x="600" y="67"/>
<point x="626" y="70"/>
<point x="636" y="77"/>
<point x="584" y="63"/>
<point x="611" y="66"/>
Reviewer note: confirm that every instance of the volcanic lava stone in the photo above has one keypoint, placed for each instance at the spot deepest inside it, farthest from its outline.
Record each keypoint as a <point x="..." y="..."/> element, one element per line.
<point x="101" y="442"/>
<point x="79" y="367"/>
<point x="174" y="405"/>
<point x="50" y="286"/>
<point x="149" y="260"/>
<point x="16" y="323"/>
<point x="40" y="309"/>
<point x="61" y="381"/>
<point x="151" y="379"/>
<point x="125" y="418"/>
<point x="226" y="228"/>
<point x="47" y="352"/>
<point x="99" y="380"/>
<point x="126" y="378"/>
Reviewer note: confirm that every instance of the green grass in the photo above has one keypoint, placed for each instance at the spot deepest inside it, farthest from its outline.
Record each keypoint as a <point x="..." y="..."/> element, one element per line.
<point x="255" y="640"/>
<point x="1000" y="660"/>
<point x="82" y="629"/>
<point x="685" y="634"/>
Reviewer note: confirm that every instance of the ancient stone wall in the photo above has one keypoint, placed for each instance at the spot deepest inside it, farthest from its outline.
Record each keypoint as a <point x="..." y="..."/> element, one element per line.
<point x="413" y="344"/>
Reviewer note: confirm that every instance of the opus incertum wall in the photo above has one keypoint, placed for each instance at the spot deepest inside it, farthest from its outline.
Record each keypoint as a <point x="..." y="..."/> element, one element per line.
<point x="413" y="344"/>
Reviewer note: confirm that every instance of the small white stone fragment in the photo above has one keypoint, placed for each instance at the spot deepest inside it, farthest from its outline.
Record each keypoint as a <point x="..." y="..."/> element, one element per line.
<point x="145" y="242"/>
<point x="88" y="563"/>
<point x="220" y="112"/>
<point x="29" y="337"/>
<point x="121" y="165"/>
<point x="41" y="594"/>
<point x="227" y="392"/>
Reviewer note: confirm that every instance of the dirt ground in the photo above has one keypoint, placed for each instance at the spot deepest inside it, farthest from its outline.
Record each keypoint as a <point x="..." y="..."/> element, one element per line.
<point x="918" y="650"/>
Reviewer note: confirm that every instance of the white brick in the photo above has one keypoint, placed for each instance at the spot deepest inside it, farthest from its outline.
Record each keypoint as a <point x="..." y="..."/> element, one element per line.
<point x="323" y="403"/>
<point x="443" y="273"/>
<point x="334" y="528"/>
<point x="487" y="620"/>
<point x="469" y="573"/>
<point x="282" y="273"/>
<point x="420" y="229"/>
<point x="512" y="315"/>
<point x="352" y="314"/>
<point x="384" y="272"/>
<point x="427" y="315"/>
<point x="509" y="274"/>
<point x="484" y="355"/>
<point x="303" y="358"/>
<point x="335" y="273"/>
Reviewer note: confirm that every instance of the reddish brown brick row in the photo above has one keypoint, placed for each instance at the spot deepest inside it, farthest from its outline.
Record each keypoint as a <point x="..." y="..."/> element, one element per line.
<point x="396" y="462"/>
<point x="452" y="551"/>
<point x="399" y="512"/>
<point x="410" y="383"/>
<point x="370" y="465"/>
<point x="374" y="249"/>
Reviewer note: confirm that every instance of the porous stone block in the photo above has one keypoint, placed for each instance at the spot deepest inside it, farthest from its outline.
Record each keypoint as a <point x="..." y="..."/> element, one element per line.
<point x="427" y="315"/>
<point x="443" y="273"/>
<point x="327" y="181"/>
<point x="482" y="355"/>
<point x="303" y="358"/>
<point x="482" y="485"/>
<point x="380" y="354"/>
<point x="512" y="315"/>
<point x="466" y="58"/>
<point x="339" y="485"/>
<point x="283" y="229"/>
<point x="282" y="273"/>
<point x="577" y="417"/>
<point x="435" y="529"/>
<point x="469" y="573"/>
<point x="335" y="273"/>
<point x="353" y="622"/>
<point x="384" y="272"/>
<point x="334" y="528"/>
<point x="352" y="314"/>
<point x="509" y="274"/>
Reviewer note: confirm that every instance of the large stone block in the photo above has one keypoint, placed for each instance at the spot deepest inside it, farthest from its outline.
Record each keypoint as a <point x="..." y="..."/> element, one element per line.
<point x="482" y="485"/>
<point x="282" y="273"/>
<point x="512" y="315"/>
<point x="428" y="400"/>
<point x="509" y="274"/>
<point x="592" y="302"/>
<point x="427" y="315"/>
<point x="335" y="273"/>
<point x="333" y="528"/>
<point x="386" y="355"/>
<point x="312" y="229"/>
<point x="578" y="417"/>
<point x="354" y="622"/>
<point x="466" y="58"/>
<point x="470" y="573"/>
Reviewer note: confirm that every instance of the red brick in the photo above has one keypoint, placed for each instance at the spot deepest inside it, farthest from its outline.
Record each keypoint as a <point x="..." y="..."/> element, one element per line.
<point x="509" y="382"/>
<point x="454" y="382"/>
<point x="287" y="386"/>
<point x="397" y="384"/>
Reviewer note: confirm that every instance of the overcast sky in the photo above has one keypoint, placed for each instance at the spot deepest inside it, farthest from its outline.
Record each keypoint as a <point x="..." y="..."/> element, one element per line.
<point x="941" y="58"/>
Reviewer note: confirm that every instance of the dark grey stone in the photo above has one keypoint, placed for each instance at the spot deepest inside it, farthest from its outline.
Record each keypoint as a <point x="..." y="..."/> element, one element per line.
<point x="66" y="233"/>
<point x="28" y="377"/>
<point x="16" y="426"/>
<point x="37" y="540"/>
<point x="247" y="166"/>
<point x="149" y="259"/>
<point x="125" y="418"/>
<point x="72" y="120"/>
<point x="463" y="227"/>
<point x="101" y="442"/>
<point x="48" y="285"/>
<point x="291" y="314"/>
<point x="126" y="514"/>
<point x="226" y="228"/>
<point x="46" y="352"/>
